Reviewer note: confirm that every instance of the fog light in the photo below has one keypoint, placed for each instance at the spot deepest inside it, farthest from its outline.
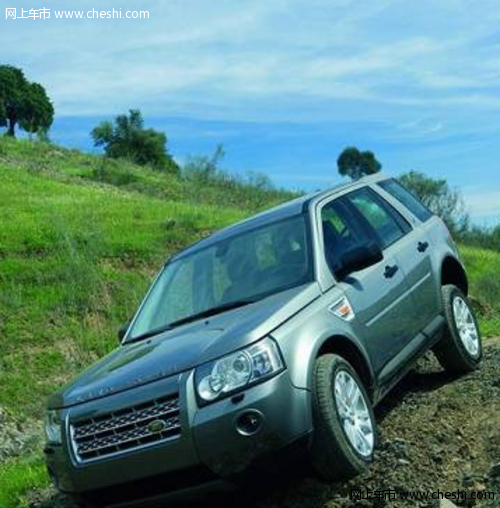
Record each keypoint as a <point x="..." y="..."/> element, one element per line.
<point x="249" y="423"/>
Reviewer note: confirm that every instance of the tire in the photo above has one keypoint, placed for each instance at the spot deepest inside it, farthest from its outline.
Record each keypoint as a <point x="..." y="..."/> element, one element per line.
<point x="455" y="352"/>
<point x="333" y="455"/>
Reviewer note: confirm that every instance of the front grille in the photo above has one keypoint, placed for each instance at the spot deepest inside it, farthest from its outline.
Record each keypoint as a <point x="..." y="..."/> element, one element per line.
<point x="126" y="429"/>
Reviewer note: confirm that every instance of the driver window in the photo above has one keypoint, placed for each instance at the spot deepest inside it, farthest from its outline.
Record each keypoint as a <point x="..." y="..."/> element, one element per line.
<point x="341" y="231"/>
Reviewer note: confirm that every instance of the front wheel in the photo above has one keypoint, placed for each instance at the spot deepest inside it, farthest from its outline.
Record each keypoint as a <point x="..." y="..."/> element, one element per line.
<point x="459" y="350"/>
<point x="344" y="425"/>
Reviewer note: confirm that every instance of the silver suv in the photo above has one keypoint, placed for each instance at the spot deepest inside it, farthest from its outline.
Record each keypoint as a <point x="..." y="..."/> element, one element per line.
<point x="286" y="328"/>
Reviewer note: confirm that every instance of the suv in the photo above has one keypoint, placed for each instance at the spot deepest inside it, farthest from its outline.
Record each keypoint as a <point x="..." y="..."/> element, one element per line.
<point x="285" y="328"/>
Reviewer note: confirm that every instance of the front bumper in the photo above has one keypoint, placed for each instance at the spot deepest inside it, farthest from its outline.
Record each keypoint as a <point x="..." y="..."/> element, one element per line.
<point x="209" y="442"/>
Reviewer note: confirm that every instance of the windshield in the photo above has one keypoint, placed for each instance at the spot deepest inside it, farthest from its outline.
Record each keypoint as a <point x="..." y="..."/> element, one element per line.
<point x="237" y="270"/>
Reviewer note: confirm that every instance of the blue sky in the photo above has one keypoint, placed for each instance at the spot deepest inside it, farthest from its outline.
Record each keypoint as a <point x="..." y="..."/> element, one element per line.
<point x="284" y="85"/>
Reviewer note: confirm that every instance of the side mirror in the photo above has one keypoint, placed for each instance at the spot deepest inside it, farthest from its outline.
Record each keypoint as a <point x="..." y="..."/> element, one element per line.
<point x="358" y="258"/>
<point x="122" y="331"/>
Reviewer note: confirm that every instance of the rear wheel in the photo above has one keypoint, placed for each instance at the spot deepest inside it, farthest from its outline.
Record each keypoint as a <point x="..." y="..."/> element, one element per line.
<point x="344" y="425"/>
<point x="460" y="349"/>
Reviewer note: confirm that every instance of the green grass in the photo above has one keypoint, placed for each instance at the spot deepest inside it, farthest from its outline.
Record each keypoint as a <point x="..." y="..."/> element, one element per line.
<point x="223" y="188"/>
<point x="74" y="263"/>
<point x="80" y="240"/>
<point x="483" y="267"/>
<point x="19" y="477"/>
<point x="76" y="257"/>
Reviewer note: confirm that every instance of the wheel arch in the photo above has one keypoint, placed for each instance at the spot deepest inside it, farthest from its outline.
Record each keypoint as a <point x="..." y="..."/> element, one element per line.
<point x="453" y="272"/>
<point x="351" y="352"/>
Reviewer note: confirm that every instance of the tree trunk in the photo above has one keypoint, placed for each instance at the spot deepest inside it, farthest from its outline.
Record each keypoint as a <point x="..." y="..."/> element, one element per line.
<point x="12" y="126"/>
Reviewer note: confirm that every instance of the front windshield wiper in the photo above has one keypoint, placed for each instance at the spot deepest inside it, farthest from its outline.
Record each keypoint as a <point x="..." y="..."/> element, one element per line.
<point x="213" y="311"/>
<point x="150" y="333"/>
<point x="203" y="314"/>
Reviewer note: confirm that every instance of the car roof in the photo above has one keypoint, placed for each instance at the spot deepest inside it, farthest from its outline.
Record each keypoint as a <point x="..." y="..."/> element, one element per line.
<point x="283" y="211"/>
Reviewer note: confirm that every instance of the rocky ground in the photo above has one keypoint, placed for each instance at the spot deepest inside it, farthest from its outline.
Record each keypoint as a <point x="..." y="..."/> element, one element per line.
<point x="17" y="437"/>
<point x="436" y="432"/>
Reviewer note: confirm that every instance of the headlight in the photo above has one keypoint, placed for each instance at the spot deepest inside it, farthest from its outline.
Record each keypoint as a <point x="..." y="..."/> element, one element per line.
<point x="238" y="370"/>
<point x="53" y="427"/>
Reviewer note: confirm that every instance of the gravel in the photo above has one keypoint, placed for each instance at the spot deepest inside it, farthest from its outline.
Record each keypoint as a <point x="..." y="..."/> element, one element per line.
<point x="436" y="432"/>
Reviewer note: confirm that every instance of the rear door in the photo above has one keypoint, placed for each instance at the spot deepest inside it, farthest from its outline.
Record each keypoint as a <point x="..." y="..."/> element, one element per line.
<point x="414" y="256"/>
<point x="378" y="294"/>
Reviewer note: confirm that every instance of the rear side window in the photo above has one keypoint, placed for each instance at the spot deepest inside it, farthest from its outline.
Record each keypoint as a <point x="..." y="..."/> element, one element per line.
<point x="388" y="225"/>
<point x="406" y="198"/>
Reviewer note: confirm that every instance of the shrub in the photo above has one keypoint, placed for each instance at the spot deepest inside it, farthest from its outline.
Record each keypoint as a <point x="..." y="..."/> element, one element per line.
<point x="440" y="198"/>
<point x="127" y="138"/>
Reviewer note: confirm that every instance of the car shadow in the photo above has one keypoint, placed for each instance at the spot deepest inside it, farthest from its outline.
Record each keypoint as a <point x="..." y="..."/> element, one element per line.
<point x="426" y="377"/>
<point x="262" y="491"/>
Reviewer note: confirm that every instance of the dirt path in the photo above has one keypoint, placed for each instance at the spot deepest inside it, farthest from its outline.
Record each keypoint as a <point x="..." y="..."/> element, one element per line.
<point x="436" y="432"/>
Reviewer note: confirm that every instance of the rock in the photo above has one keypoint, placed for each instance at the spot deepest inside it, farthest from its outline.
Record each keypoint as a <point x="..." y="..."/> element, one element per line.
<point x="436" y="457"/>
<point x="17" y="438"/>
<point x="494" y="471"/>
<point x="467" y="481"/>
<point x="446" y="503"/>
<point x="399" y="447"/>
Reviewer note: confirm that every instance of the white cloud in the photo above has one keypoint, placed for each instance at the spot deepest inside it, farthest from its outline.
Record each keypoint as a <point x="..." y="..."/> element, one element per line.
<point x="485" y="203"/>
<point x="375" y="59"/>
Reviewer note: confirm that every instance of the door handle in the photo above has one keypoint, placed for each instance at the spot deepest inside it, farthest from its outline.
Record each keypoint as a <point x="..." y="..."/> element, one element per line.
<point x="422" y="246"/>
<point x="390" y="271"/>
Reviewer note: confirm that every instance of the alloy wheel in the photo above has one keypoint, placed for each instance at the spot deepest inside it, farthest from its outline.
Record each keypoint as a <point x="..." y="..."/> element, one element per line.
<point x="466" y="326"/>
<point x="354" y="415"/>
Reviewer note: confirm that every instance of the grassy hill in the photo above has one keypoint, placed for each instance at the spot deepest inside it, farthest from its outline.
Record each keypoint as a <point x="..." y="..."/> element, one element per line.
<point x="80" y="239"/>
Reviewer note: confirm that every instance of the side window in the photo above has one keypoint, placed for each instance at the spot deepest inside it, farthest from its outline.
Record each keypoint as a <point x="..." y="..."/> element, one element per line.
<point x="406" y="198"/>
<point x="386" y="222"/>
<point x="342" y="230"/>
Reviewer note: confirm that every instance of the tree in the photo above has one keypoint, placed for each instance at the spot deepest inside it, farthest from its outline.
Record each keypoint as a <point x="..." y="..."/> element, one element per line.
<point x="23" y="103"/>
<point x="353" y="163"/>
<point x="127" y="138"/>
<point x="205" y="168"/>
<point x="439" y="197"/>
<point x="38" y="111"/>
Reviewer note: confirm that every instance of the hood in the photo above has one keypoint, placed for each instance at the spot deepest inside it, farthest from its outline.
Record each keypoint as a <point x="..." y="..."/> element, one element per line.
<point x="183" y="348"/>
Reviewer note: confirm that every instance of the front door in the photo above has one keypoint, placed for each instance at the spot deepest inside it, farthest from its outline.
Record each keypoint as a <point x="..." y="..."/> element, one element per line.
<point x="379" y="294"/>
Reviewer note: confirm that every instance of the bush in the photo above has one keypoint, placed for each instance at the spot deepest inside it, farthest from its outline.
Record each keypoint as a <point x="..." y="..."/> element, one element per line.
<point x="128" y="139"/>
<point x="208" y="182"/>
<point x="440" y="198"/>
<point x="487" y="238"/>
